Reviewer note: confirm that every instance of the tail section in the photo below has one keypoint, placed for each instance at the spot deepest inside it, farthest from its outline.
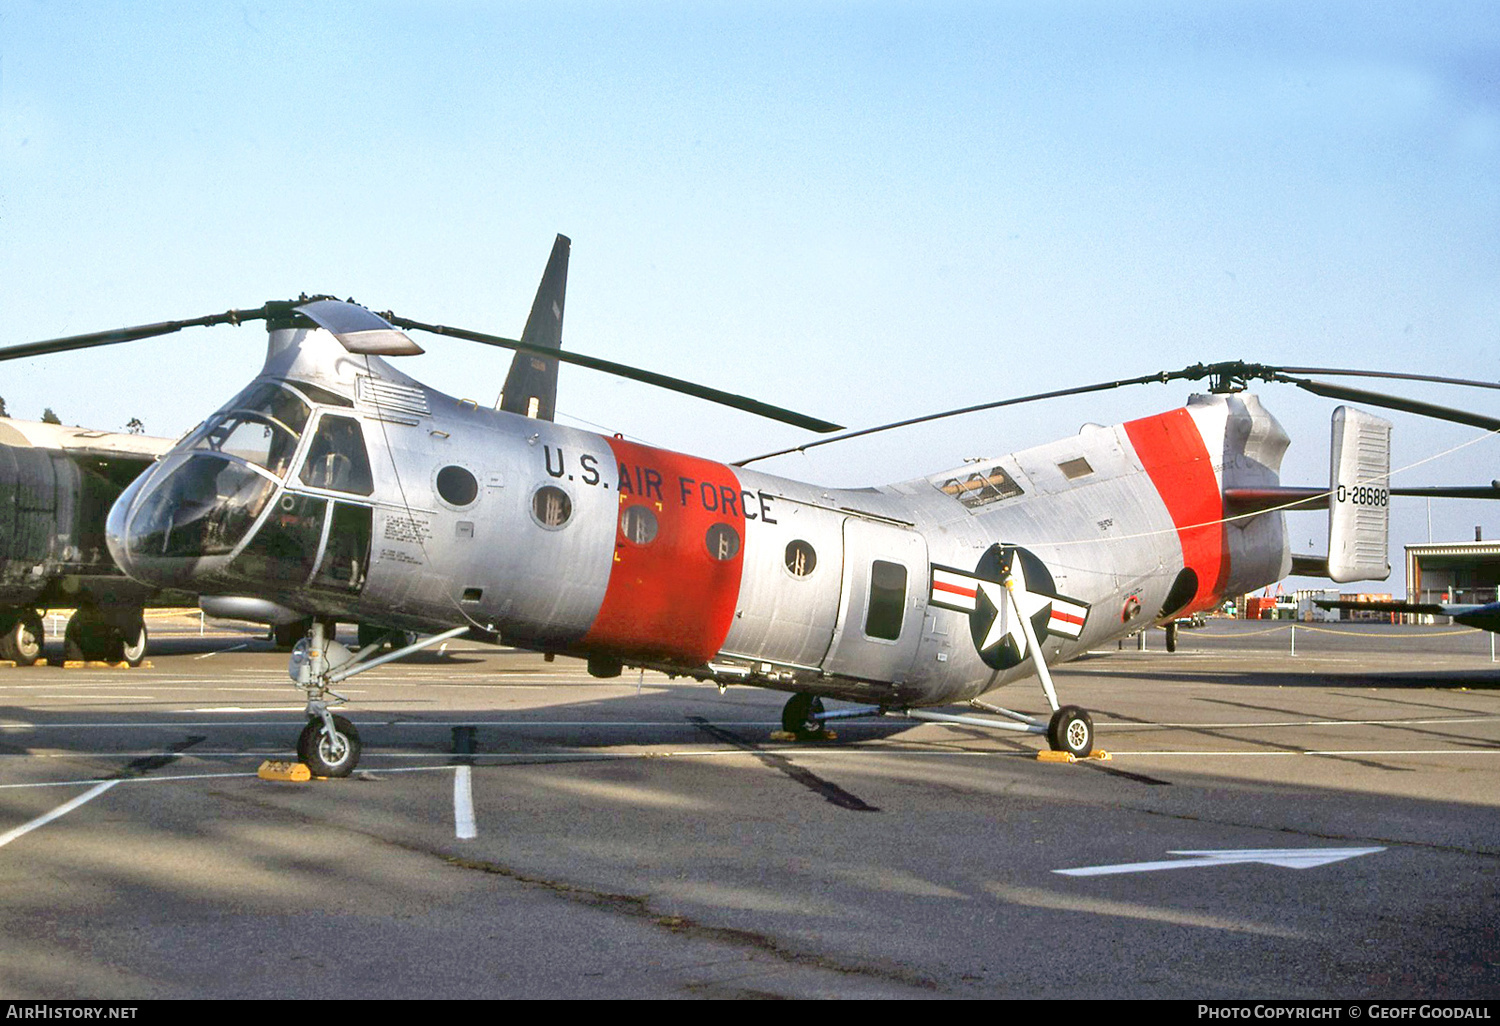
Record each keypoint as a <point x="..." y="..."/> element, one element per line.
<point x="1359" y="501"/>
<point x="531" y="386"/>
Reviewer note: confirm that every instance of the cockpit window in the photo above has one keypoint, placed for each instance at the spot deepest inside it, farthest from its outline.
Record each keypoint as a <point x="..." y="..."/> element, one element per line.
<point x="260" y="425"/>
<point x="201" y="506"/>
<point x="337" y="459"/>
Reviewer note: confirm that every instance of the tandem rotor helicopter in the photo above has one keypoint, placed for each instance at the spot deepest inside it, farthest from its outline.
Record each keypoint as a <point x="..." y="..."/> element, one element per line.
<point x="336" y="487"/>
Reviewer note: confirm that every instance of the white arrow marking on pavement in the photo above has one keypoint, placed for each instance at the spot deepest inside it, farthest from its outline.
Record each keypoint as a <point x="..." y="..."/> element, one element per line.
<point x="1286" y="858"/>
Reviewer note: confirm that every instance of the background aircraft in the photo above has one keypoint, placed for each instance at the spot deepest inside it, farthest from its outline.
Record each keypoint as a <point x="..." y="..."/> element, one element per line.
<point x="56" y="487"/>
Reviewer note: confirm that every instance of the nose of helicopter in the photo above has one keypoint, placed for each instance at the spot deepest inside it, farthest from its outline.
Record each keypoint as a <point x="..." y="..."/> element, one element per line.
<point x="184" y="517"/>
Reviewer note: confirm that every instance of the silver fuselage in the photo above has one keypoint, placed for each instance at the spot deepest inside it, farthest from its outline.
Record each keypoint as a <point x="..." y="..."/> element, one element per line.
<point x="568" y="541"/>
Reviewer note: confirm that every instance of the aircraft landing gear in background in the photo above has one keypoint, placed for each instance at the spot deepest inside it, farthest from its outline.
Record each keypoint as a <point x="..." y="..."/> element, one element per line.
<point x="369" y="634"/>
<point x="94" y="636"/>
<point x="22" y="639"/>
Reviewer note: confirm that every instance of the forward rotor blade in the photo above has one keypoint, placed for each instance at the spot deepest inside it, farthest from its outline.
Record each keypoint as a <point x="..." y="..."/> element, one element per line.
<point x="117" y="335"/>
<point x="738" y="402"/>
<point x="1015" y="401"/>
<point x="1392" y="402"/>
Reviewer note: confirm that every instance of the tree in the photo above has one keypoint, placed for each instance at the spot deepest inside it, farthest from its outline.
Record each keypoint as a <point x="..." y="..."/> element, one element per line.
<point x="135" y="427"/>
<point x="48" y="417"/>
<point x="3" y="412"/>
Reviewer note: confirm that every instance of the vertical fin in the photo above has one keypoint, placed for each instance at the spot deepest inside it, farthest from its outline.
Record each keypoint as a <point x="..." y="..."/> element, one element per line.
<point x="1359" y="508"/>
<point x="531" y="386"/>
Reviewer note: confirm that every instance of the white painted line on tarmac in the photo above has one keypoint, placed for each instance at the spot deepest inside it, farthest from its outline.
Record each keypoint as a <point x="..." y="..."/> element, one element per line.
<point x="1325" y="752"/>
<point x="61" y="810"/>
<point x="249" y="709"/>
<point x="232" y="648"/>
<point x="1429" y="721"/>
<point x="444" y="768"/>
<point x="463" y="804"/>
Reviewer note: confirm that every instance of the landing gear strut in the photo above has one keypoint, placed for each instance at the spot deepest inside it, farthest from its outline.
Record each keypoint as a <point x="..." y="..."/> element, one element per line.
<point x="93" y="635"/>
<point x="1070" y="729"/>
<point x="329" y="745"/>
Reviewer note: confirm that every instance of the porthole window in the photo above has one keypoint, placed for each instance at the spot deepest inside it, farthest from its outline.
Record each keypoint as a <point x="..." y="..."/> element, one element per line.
<point x="801" y="560"/>
<point x="723" y="541"/>
<point x="456" y="486"/>
<point x="551" y="506"/>
<point x="638" y="524"/>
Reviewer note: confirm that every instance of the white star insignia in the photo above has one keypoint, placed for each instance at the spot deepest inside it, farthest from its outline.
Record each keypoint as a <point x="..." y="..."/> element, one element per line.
<point x="1005" y="625"/>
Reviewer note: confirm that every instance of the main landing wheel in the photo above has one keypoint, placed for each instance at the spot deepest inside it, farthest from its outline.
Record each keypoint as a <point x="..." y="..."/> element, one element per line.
<point x="22" y="643"/>
<point x="128" y="645"/>
<point x="329" y="755"/>
<point x="797" y="716"/>
<point x="88" y="636"/>
<point x="1071" y="730"/>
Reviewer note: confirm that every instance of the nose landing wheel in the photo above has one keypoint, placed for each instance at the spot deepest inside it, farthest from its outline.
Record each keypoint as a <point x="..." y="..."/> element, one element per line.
<point x="329" y="751"/>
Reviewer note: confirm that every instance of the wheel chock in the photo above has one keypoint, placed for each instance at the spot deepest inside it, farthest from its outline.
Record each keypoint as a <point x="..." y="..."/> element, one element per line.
<point x="100" y="664"/>
<point x="293" y="771"/>
<point x="1048" y="755"/>
<point x="786" y="735"/>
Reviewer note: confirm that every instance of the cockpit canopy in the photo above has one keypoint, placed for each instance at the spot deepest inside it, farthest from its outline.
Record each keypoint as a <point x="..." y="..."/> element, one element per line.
<point x="244" y="487"/>
<point x="262" y="425"/>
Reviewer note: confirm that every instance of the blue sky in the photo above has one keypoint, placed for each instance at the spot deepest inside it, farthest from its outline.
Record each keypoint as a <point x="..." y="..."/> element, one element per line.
<point x="862" y="210"/>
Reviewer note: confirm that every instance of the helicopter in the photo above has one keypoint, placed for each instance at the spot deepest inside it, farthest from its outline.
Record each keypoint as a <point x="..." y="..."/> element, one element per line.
<point x="335" y="486"/>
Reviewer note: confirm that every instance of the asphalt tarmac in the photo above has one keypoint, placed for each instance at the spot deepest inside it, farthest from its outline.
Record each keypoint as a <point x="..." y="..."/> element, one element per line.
<point x="1271" y="825"/>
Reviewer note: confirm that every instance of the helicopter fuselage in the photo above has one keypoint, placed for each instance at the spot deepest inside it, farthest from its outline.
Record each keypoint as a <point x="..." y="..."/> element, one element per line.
<point x="336" y="486"/>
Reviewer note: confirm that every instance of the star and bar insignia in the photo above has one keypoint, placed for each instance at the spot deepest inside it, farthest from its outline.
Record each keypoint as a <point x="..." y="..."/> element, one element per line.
<point x="998" y="636"/>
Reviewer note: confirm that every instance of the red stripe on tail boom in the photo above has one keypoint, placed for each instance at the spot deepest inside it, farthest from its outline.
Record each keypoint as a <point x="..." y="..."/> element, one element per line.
<point x="1171" y="448"/>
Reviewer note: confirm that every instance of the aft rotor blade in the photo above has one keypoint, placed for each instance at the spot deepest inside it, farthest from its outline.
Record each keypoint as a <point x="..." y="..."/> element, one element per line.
<point x="1392" y="402"/>
<point x="713" y="395"/>
<point x="1015" y="401"/>
<point x="1489" y="491"/>
<point x="1395" y="376"/>
<point x="117" y="335"/>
